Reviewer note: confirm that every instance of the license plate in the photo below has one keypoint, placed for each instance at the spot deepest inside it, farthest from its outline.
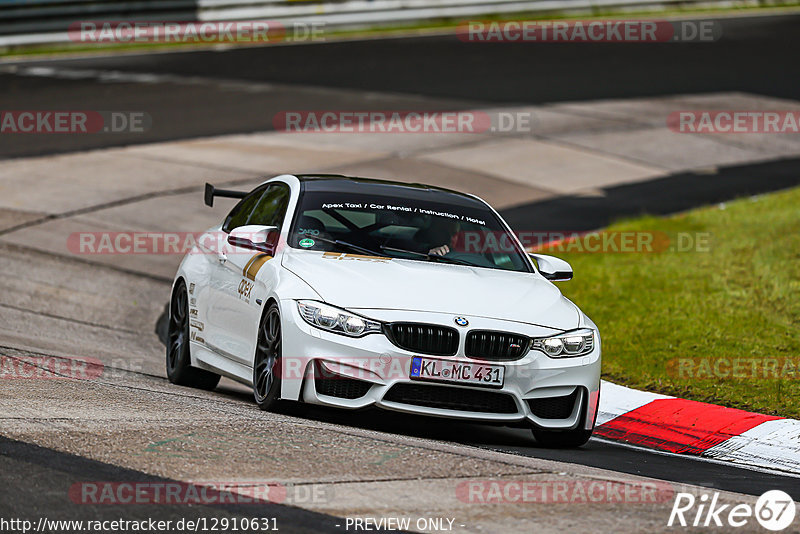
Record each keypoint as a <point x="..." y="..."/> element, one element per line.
<point x="474" y="374"/>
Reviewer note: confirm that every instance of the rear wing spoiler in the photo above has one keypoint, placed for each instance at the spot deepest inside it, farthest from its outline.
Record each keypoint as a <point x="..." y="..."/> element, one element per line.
<point x="212" y="192"/>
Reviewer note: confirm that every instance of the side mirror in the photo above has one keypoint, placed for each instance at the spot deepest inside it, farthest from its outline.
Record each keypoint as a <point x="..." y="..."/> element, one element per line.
<point x="552" y="268"/>
<point x="254" y="237"/>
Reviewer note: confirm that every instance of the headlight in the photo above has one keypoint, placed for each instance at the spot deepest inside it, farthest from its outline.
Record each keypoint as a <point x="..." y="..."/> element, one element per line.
<point x="335" y="319"/>
<point x="566" y="345"/>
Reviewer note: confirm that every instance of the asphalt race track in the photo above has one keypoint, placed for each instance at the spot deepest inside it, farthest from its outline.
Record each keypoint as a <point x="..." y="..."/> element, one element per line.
<point x="57" y="471"/>
<point x="232" y="91"/>
<point x="442" y="72"/>
<point x="597" y="453"/>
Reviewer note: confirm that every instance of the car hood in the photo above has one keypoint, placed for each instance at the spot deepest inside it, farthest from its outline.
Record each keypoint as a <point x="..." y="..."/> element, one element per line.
<point x="364" y="282"/>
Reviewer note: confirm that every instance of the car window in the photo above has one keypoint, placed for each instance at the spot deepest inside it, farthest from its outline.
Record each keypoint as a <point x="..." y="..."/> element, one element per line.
<point x="327" y="220"/>
<point x="270" y="209"/>
<point x="359" y="218"/>
<point x="241" y="211"/>
<point x="441" y="223"/>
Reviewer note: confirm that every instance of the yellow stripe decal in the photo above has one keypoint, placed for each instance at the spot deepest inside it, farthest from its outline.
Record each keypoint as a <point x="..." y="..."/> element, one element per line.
<point x="254" y="265"/>
<point x="249" y="263"/>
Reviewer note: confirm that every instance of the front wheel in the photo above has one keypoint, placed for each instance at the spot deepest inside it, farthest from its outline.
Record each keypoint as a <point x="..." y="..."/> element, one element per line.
<point x="267" y="364"/>
<point x="179" y="370"/>
<point x="568" y="439"/>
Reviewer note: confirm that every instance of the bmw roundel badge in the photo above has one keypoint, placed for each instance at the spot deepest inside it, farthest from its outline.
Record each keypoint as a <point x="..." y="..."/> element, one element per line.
<point x="461" y="321"/>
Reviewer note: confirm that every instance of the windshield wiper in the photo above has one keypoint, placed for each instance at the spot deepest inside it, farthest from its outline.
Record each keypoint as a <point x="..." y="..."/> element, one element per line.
<point x="345" y="244"/>
<point x="429" y="256"/>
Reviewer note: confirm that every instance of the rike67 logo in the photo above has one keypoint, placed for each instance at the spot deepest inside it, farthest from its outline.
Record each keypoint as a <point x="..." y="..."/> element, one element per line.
<point x="774" y="510"/>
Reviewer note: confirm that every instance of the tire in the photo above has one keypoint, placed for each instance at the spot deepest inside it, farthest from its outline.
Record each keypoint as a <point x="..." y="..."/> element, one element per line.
<point x="267" y="361"/>
<point x="179" y="370"/>
<point x="568" y="439"/>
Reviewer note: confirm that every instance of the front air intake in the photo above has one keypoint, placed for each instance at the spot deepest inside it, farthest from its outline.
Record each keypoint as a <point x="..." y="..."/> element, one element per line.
<point x="340" y="386"/>
<point x="451" y="398"/>
<point x="554" y="407"/>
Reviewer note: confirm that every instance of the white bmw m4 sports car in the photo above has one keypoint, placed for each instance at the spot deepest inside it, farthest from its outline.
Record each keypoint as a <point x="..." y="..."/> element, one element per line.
<point x="356" y="293"/>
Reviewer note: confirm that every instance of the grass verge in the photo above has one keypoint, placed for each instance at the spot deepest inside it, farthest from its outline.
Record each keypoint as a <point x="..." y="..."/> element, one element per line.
<point x="721" y="325"/>
<point x="427" y="27"/>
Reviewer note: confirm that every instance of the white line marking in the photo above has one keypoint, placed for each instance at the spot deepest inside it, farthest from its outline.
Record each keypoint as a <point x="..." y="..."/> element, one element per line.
<point x="772" y="444"/>
<point x="698" y="458"/>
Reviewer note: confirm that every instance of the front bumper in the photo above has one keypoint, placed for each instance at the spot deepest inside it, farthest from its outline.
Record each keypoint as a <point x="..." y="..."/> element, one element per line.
<point x="335" y="370"/>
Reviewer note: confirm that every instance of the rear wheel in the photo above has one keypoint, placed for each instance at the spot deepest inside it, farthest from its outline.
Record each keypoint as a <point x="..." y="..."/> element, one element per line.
<point x="266" y="365"/>
<point x="567" y="439"/>
<point x="179" y="370"/>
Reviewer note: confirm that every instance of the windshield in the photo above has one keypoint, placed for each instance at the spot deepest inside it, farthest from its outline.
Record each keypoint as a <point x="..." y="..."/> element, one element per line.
<point x="434" y="226"/>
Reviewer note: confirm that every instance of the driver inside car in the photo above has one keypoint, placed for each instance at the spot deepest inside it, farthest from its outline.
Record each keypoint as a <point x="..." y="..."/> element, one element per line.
<point x="444" y="232"/>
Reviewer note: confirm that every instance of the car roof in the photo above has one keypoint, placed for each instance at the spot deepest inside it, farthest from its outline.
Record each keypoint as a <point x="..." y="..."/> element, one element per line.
<point x="339" y="182"/>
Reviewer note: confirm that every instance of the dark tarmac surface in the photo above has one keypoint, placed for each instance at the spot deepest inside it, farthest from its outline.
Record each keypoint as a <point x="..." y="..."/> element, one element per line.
<point x="755" y="55"/>
<point x="43" y="483"/>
